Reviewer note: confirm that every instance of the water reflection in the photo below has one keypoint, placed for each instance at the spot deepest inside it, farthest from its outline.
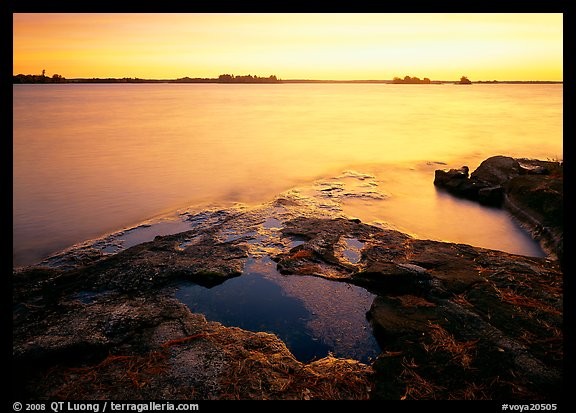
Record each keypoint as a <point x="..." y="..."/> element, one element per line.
<point x="415" y="206"/>
<point x="313" y="316"/>
<point x="90" y="159"/>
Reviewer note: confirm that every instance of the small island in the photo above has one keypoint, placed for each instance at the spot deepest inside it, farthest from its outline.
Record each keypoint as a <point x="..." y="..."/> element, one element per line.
<point x="407" y="80"/>
<point x="464" y="81"/>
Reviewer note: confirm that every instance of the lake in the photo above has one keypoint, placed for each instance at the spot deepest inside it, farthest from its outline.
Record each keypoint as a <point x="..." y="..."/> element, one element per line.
<point x="90" y="159"/>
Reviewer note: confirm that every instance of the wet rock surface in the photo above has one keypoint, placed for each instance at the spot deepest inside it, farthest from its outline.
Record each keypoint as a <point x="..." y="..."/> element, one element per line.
<point x="108" y="326"/>
<point x="531" y="189"/>
<point x="453" y="321"/>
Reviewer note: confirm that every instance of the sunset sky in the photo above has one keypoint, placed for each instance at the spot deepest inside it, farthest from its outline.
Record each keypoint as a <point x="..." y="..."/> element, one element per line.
<point x="337" y="46"/>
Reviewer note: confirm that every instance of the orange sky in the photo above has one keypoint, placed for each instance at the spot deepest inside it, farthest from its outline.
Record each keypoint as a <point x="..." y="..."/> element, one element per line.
<point x="508" y="46"/>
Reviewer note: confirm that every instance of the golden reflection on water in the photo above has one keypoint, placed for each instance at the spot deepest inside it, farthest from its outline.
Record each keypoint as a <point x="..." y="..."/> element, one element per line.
<point x="415" y="206"/>
<point x="89" y="159"/>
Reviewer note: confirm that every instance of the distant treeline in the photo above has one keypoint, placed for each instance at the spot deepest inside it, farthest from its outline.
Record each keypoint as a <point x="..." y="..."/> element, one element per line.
<point x="246" y="79"/>
<point x="226" y="78"/>
<point x="537" y="82"/>
<point x="38" y="79"/>
<point x="408" y="80"/>
<point x="411" y="80"/>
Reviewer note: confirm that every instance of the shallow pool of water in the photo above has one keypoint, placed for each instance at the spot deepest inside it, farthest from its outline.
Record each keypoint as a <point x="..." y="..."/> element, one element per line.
<point x="313" y="316"/>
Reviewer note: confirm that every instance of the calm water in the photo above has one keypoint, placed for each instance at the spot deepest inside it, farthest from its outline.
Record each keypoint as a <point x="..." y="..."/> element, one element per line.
<point x="91" y="159"/>
<point x="313" y="316"/>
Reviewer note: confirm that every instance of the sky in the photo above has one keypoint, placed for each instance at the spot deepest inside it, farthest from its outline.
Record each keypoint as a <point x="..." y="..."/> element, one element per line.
<point x="330" y="46"/>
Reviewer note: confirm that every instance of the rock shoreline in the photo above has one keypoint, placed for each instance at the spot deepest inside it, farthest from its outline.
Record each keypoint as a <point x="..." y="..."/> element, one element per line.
<point x="530" y="189"/>
<point x="453" y="321"/>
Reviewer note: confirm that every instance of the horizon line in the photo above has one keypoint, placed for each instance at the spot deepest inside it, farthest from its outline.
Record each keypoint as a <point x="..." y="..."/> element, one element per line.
<point x="279" y="80"/>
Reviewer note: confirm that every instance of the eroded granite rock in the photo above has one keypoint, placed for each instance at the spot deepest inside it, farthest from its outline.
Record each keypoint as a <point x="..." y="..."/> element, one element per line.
<point x="453" y="321"/>
<point x="531" y="189"/>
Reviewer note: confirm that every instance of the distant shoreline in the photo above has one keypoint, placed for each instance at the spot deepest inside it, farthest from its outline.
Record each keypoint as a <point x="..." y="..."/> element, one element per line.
<point x="48" y="80"/>
<point x="433" y="82"/>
